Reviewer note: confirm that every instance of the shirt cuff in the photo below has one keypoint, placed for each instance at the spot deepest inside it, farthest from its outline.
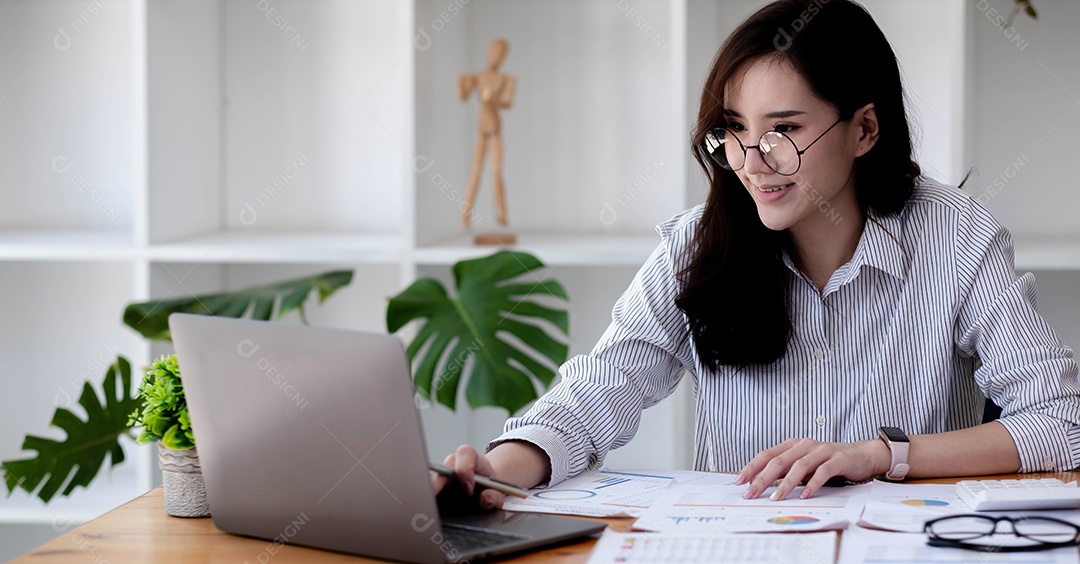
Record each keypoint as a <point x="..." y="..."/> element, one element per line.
<point x="1045" y="444"/>
<point x="546" y="440"/>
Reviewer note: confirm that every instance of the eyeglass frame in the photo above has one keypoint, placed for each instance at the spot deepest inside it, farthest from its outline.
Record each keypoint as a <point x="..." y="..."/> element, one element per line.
<point x="746" y="149"/>
<point x="936" y="540"/>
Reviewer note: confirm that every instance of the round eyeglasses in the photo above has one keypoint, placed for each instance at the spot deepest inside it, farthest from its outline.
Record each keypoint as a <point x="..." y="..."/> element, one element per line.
<point x="980" y="532"/>
<point x="776" y="149"/>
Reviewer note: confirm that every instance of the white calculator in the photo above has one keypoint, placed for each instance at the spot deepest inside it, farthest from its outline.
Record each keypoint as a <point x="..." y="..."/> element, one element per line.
<point x="1008" y="495"/>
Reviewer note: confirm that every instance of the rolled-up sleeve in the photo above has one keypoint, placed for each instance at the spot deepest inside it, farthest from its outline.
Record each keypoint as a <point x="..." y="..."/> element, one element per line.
<point x="637" y="363"/>
<point x="1026" y="369"/>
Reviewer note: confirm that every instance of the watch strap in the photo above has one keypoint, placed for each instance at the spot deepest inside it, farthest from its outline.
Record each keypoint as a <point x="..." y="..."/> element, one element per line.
<point x="898" y="466"/>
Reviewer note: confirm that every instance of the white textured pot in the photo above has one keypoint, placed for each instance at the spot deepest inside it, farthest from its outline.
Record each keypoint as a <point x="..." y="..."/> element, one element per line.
<point x="185" y="491"/>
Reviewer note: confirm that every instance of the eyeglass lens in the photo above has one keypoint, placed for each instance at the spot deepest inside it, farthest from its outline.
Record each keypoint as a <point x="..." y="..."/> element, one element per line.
<point x="1044" y="530"/>
<point x="776" y="149"/>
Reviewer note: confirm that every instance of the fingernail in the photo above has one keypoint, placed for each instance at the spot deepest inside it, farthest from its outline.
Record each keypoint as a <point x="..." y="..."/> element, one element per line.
<point x="469" y="487"/>
<point x="805" y="494"/>
<point x="775" y="496"/>
<point x="740" y="479"/>
<point x="748" y="495"/>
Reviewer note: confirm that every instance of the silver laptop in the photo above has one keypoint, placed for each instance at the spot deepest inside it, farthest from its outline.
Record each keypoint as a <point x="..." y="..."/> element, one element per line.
<point x="311" y="436"/>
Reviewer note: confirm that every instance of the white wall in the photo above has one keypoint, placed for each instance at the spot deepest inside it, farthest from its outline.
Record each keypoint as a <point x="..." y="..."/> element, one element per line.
<point x="1026" y="106"/>
<point x="1023" y="144"/>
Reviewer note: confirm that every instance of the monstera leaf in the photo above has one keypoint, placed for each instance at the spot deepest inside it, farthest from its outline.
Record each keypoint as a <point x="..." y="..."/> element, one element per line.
<point x="474" y="326"/>
<point x="151" y="319"/>
<point x="88" y="441"/>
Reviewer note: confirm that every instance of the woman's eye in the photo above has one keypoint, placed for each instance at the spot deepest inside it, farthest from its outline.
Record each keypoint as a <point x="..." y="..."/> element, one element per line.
<point x="785" y="128"/>
<point x="735" y="127"/>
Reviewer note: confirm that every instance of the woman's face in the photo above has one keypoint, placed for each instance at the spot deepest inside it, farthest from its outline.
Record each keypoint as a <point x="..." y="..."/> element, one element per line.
<point x="770" y="94"/>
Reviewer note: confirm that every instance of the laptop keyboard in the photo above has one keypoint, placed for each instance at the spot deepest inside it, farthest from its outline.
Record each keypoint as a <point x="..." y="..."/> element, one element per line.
<point x="468" y="539"/>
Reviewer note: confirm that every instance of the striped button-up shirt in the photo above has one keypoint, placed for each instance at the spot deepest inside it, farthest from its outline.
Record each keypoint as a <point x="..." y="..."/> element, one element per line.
<point x="925" y="321"/>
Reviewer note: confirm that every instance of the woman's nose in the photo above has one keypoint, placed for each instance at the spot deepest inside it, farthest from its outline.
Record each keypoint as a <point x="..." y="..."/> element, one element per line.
<point x="755" y="163"/>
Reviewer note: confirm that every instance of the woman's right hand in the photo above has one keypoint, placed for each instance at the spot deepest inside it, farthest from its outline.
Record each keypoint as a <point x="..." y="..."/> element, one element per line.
<point x="466" y="463"/>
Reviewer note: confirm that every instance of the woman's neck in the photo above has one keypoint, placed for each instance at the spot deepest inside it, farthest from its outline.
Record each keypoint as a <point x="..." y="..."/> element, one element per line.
<point x="824" y="242"/>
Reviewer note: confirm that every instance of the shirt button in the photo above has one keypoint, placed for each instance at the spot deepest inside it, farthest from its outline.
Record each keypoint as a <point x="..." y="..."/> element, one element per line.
<point x="1048" y="465"/>
<point x="819" y="354"/>
<point x="820" y="420"/>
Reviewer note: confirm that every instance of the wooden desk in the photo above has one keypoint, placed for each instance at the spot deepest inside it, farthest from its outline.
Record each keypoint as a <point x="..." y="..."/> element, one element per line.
<point x="140" y="531"/>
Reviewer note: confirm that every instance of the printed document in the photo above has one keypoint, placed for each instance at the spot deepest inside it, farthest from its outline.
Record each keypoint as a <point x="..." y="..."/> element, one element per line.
<point x="723" y="509"/>
<point x="630" y="548"/>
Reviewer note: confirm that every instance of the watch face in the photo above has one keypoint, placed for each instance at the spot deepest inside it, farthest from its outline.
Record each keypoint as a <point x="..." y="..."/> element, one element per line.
<point x="894" y="434"/>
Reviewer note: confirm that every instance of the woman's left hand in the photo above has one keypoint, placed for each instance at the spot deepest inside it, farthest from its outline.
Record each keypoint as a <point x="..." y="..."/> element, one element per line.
<point x="799" y="460"/>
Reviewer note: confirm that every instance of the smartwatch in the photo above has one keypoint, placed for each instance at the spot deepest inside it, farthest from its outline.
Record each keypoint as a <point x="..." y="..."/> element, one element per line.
<point x="898" y="443"/>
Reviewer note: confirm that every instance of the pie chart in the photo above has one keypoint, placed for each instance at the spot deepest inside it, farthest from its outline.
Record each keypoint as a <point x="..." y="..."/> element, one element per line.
<point x="564" y="495"/>
<point x="925" y="502"/>
<point x="793" y="520"/>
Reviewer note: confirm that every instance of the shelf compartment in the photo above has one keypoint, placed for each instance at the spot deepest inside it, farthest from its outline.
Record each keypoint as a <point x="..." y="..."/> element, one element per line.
<point x="66" y="126"/>
<point x="63" y="328"/>
<point x="293" y="120"/>
<point x="589" y="142"/>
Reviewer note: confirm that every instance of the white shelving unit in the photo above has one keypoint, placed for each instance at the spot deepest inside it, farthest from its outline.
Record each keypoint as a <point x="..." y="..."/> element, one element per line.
<point x="153" y="148"/>
<point x="243" y="146"/>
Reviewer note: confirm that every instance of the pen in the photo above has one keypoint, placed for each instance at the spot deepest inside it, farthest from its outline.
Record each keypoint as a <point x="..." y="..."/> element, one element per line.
<point x="497" y="485"/>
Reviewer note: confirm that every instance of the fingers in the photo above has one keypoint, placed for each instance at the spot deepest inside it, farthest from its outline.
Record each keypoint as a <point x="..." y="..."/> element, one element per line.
<point x="776" y="469"/>
<point x="755" y="466"/>
<point x="805" y="465"/>
<point x="464" y="466"/>
<point x="769" y="466"/>
<point x="824" y="473"/>
<point x="491" y="499"/>
<point x="438" y="481"/>
<point x="466" y="463"/>
<point x="788" y="464"/>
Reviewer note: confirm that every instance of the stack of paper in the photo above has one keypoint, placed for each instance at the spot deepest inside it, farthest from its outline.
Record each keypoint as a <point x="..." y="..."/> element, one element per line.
<point x="702" y="517"/>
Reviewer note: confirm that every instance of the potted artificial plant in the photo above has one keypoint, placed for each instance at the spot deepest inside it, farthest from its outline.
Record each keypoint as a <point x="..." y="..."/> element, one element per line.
<point x="164" y="419"/>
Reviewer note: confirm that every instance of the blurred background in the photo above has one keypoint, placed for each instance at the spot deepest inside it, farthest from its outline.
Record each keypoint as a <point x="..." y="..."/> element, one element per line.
<point x="166" y="148"/>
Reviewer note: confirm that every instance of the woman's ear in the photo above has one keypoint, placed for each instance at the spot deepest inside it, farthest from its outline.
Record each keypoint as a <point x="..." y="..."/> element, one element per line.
<point x="866" y="120"/>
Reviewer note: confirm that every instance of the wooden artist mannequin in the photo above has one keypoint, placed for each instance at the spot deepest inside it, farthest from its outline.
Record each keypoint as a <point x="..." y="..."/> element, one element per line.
<point x="496" y="92"/>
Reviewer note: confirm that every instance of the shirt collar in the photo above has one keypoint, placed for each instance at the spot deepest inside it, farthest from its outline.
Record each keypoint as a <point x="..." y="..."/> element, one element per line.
<point x="879" y="247"/>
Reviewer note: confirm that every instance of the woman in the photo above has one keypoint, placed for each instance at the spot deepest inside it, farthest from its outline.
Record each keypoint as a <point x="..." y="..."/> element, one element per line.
<point x="824" y="290"/>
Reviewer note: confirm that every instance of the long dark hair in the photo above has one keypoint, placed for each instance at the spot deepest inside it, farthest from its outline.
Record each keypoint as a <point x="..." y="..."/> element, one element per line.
<point x="735" y="286"/>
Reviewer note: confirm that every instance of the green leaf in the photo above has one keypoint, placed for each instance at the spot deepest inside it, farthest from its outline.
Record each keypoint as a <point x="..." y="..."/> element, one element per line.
<point x="151" y="319"/>
<point x="77" y="459"/>
<point x="176" y="439"/>
<point x="163" y="413"/>
<point x="466" y="336"/>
